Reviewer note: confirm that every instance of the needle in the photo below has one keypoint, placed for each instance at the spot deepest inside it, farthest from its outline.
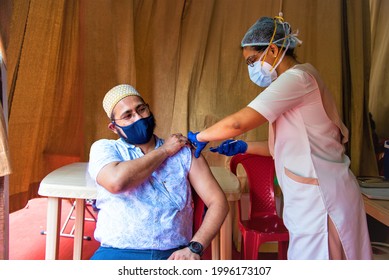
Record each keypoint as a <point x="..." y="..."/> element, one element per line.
<point x="229" y="143"/>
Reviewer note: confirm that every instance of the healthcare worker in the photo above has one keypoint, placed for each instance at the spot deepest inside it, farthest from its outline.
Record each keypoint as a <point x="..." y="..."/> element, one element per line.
<point x="323" y="207"/>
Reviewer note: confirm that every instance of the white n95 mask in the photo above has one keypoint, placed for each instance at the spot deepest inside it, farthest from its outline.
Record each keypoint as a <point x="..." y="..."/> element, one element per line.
<point x="262" y="73"/>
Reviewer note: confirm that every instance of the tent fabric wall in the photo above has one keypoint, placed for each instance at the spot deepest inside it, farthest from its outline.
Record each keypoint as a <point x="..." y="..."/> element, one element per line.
<point x="5" y="164"/>
<point x="45" y="109"/>
<point x="379" y="76"/>
<point x="183" y="56"/>
<point x="355" y="76"/>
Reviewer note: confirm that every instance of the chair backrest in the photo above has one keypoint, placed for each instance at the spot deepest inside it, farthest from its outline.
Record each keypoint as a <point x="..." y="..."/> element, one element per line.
<point x="260" y="172"/>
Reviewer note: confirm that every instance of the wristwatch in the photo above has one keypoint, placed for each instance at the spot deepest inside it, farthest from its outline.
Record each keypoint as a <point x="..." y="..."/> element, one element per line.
<point x="196" y="247"/>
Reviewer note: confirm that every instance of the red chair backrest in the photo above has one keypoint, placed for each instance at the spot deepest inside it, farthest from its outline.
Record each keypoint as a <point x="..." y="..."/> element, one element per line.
<point x="260" y="172"/>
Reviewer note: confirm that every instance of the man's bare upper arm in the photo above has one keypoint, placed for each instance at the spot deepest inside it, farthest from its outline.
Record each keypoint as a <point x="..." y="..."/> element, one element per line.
<point x="203" y="181"/>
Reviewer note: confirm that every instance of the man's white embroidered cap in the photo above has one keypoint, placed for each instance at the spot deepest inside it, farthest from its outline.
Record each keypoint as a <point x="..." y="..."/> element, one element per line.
<point x="116" y="94"/>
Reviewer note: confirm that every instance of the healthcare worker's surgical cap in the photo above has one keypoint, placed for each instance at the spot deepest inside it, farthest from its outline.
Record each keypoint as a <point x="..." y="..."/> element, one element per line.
<point x="117" y="93"/>
<point x="261" y="33"/>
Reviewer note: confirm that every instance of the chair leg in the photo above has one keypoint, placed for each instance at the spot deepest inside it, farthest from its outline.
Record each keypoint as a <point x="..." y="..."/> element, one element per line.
<point x="283" y="250"/>
<point x="242" y="247"/>
<point x="251" y="245"/>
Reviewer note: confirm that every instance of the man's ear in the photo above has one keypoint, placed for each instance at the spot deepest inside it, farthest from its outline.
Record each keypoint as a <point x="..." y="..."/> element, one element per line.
<point x="112" y="127"/>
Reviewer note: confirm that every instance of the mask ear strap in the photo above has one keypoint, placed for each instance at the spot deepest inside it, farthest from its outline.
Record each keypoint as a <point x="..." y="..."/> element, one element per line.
<point x="286" y="28"/>
<point x="115" y="124"/>
<point x="280" y="59"/>
<point x="279" y="56"/>
<point x="272" y="38"/>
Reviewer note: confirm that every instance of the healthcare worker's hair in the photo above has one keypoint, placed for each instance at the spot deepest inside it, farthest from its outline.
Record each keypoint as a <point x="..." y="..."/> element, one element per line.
<point x="261" y="33"/>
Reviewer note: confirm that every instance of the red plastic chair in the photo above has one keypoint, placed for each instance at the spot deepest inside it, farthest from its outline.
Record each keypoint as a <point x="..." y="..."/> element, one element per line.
<point x="263" y="224"/>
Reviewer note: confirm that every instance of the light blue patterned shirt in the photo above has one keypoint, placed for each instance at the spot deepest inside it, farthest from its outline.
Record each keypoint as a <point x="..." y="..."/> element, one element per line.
<point x="158" y="214"/>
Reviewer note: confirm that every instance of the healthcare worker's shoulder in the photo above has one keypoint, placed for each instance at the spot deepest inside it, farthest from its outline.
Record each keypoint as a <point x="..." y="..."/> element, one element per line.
<point x="299" y="74"/>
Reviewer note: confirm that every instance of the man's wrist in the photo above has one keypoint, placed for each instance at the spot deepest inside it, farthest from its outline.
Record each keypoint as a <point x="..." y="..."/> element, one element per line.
<point x="196" y="247"/>
<point x="165" y="151"/>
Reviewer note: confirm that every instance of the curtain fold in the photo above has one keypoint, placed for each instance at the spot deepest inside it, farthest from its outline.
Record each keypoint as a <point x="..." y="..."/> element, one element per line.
<point x="184" y="57"/>
<point x="356" y="73"/>
<point x="379" y="74"/>
<point x="5" y="164"/>
<point x="44" y="111"/>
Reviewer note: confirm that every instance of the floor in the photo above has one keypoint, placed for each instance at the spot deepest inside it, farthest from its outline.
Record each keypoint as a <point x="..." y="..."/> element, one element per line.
<point x="27" y="238"/>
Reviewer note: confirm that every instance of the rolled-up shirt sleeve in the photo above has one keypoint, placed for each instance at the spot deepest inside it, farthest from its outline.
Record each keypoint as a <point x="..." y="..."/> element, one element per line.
<point x="101" y="153"/>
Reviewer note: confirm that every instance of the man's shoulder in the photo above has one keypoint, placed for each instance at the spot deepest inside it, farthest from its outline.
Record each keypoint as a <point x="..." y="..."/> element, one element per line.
<point x="187" y="151"/>
<point x="184" y="155"/>
<point x="103" y="144"/>
<point x="106" y="142"/>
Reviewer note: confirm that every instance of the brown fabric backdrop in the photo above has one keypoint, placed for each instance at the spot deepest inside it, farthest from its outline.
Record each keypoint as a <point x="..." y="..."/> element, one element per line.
<point x="379" y="86"/>
<point x="183" y="56"/>
<point x="356" y="71"/>
<point x="5" y="164"/>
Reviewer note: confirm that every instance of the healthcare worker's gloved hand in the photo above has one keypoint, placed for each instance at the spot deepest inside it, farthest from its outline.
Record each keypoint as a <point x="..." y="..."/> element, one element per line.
<point x="230" y="147"/>
<point x="197" y="144"/>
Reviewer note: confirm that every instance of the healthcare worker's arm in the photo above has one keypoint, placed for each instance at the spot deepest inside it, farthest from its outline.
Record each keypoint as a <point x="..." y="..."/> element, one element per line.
<point x="233" y="125"/>
<point x="258" y="148"/>
<point x="232" y="147"/>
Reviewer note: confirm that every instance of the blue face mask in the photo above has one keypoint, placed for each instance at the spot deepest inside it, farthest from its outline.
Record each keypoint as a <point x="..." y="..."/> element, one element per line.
<point x="139" y="132"/>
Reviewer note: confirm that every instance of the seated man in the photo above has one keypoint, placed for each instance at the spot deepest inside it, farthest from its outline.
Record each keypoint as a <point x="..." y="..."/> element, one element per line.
<point x="144" y="188"/>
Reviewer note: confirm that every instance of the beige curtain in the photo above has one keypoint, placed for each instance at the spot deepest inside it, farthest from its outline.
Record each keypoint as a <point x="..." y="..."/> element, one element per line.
<point x="356" y="72"/>
<point x="379" y="74"/>
<point x="5" y="164"/>
<point x="5" y="169"/>
<point x="46" y="113"/>
<point x="183" y="56"/>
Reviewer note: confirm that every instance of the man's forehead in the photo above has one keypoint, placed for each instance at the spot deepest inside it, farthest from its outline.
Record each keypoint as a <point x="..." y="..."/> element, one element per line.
<point x="128" y="103"/>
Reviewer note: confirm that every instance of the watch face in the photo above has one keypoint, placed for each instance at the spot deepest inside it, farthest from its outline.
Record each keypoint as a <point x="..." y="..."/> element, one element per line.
<point x="196" y="247"/>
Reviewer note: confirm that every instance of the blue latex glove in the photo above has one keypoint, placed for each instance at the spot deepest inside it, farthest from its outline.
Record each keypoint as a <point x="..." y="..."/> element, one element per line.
<point x="197" y="144"/>
<point x="230" y="147"/>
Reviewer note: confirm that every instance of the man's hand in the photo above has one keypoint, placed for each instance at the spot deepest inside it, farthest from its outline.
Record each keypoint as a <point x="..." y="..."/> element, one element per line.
<point x="174" y="143"/>
<point x="184" y="254"/>
<point x="197" y="144"/>
<point x="230" y="147"/>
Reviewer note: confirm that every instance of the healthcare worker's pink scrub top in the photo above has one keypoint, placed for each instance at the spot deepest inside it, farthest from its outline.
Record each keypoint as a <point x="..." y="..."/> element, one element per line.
<point x="306" y="139"/>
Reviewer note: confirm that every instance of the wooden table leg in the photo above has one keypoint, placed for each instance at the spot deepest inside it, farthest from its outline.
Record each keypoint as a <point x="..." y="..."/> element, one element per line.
<point x="79" y="229"/>
<point x="216" y="247"/>
<point x="54" y="205"/>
